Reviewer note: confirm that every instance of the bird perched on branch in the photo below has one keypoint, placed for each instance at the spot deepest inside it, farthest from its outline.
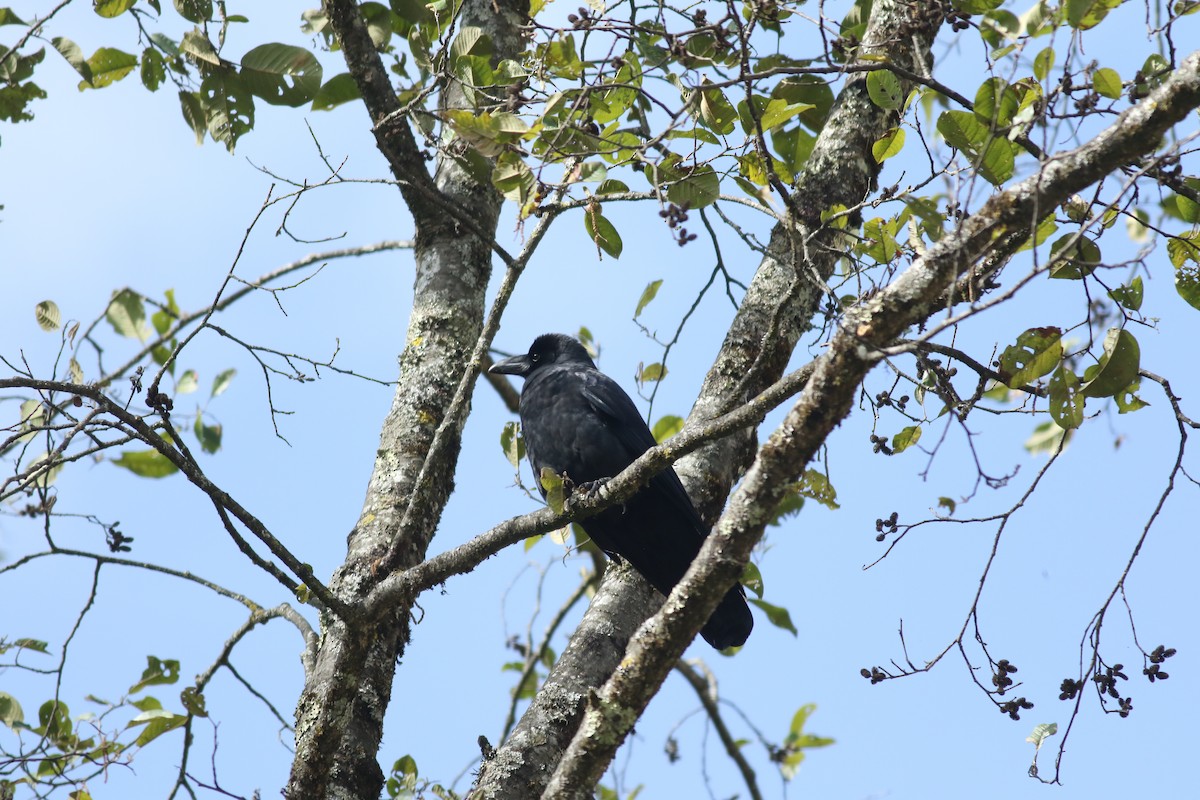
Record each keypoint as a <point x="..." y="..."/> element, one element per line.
<point x="578" y="422"/>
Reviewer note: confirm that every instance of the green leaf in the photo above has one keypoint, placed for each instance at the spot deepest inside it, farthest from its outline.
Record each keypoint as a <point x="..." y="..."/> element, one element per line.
<point x="49" y="318"/>
<point x="992" y="155"/>
<point x="601" y="231"/>
<point x="888" y="145"/>
<point x="157" y="723"/>
<point x="127" y="315"/>
<point x="906" y="438"/>
<point x="611" y="186"/>
<point x="108" y="65"/>
<point x="484" y="131"/>
<point x="154" y="70"/>
<point x="884" y="89"/>
<point x="222" y="381"/>
<point x="379" y="23"/>
<point x="1084" y="14"/>
<point x="228" y="107"/>
<point x="1046" y="438"/>
<point x="187" y="382"/>
<point x="699" y="187"/>
<point x="512" y="443"/>
<point x="158" y="672"/>
<point x="513" y="178"/>
<point x="1127" y="399"/>
<point x="470" y="41"/>
<point x="1066" y="403"/>
<point x="816" y="485"/>
<point x="797" y="741"/>
<point x="1072" y="257"/>
<point x="15" y="100"/>
<point x="752" y="579"/>
<point x="112" y="8"/>
<point x="1185" y="256"/>
<point x="1036" y="353"/>
<point x="648" y="294"/>
<point x="1118" y="366"/>
<point x="1129" y="296"/>
<point x="1107" y="82"/>
<point x="779" y="111"/>
<point x="948" y="504"/>
<point x="196" y="44"/>
<point x="650" y="373"/>
<point x="1041" y="733"/>
<point x="195" y="10"/>
<point x="552" y="489"/>
<point x="996" y="103"/>
<point x="1183" y="207"/>
<point x="74" y="56"/>
<point x="666" y="427"/>
<point x="977" y="6"/>
<point x="337" y="90"/>
<point x="778" y="616"/>
<point x="209" y="436"/>
<point x="193" y="114"/>
<point x="193" y="701"/>
<point x="716" y="112"/>
<point x="791" y="504"/>
<point x="10" y="710"/>
<point x="282" y="74"/>
<point x="7" y="17"/>
<point x="1043" y="62"/>
<point x="146" y="463"/>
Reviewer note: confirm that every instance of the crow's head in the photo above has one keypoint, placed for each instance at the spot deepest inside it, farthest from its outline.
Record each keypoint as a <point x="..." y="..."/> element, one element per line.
<point x="547" y="349"/>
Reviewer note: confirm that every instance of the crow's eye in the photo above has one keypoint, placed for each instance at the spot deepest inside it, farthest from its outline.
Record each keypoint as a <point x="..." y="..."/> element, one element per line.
<point x="536" y="357"/>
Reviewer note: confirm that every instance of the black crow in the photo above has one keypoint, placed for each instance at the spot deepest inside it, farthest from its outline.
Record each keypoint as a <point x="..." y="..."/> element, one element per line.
<point x="578" y="422"/>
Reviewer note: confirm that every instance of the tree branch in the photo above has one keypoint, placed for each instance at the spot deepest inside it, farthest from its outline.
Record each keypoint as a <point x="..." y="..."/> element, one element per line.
<point x="852" y="352"/>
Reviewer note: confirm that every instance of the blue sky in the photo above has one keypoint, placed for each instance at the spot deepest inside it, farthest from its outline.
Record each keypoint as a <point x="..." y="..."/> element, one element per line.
<point x="106" y="189"/>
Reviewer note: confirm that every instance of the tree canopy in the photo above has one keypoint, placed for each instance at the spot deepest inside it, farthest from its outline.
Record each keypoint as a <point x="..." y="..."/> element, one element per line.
<point x="907" y="290"/>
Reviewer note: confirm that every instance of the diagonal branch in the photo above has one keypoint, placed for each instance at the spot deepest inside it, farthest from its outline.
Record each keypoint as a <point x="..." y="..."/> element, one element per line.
<point x="828" y="399"/>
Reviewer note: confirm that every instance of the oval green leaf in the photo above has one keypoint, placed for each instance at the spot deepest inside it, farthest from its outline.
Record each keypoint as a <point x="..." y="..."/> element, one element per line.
<point x="884" y="89"/>
<point x="602" y="232"/>
<point x="1036" y="353"/>
<point x="282" y="74"/>
<point x="146" y="463"/>
<point x="1118" y="366"/>
<point x="49" y="318"/>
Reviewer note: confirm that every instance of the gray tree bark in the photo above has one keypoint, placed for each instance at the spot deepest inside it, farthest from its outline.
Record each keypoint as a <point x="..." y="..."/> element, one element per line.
<point x="339" y="717"/>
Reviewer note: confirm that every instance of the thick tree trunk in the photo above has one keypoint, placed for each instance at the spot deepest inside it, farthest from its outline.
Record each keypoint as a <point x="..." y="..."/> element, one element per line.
<point x="339" y="717"/>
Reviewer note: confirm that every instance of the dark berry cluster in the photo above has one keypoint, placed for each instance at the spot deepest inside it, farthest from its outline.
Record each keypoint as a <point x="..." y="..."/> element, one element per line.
<point x="885" y="526"/>
<point x="117" y="542"/>
<point x="874" y="675"/>
<point x="956" y="18"/>
<point x="1157" y="656"/>
<point x="1000" y="678"/>
<point x="1069" y="688"/>
<point x="675" y="217"/>
<point x="583" y="19"/>
<point x="159" y="401"/>
<point x="885" y="399"/>
<point x="1014" y="707"/>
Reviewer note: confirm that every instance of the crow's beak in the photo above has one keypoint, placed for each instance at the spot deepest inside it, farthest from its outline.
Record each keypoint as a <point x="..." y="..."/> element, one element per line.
<point x="517" y="365"/>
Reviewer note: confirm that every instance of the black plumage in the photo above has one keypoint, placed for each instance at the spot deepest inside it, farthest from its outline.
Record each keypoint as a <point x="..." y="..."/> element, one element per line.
<point x="578" y="422"/>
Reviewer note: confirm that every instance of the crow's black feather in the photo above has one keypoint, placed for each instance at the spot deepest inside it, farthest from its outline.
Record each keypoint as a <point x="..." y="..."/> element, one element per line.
<point x="578" y="422"/>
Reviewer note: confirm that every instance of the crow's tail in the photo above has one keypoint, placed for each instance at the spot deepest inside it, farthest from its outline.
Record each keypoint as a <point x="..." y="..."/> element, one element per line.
<point x="731" y="623"/>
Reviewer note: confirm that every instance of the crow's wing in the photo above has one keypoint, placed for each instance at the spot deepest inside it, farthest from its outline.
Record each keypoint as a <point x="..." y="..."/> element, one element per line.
<point x="609" y="400"/>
